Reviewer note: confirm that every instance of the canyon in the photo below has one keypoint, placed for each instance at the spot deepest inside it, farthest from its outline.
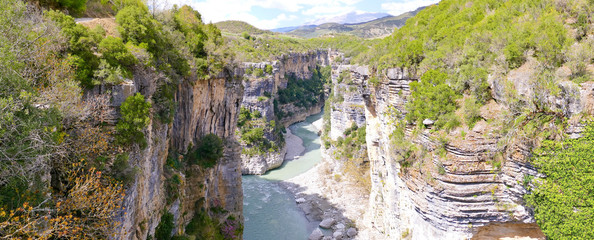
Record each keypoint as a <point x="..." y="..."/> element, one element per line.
<point x="164" y="127"/>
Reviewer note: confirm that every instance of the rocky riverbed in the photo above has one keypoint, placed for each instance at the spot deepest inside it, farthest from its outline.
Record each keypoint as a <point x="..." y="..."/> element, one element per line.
<point x="336" y="204"/>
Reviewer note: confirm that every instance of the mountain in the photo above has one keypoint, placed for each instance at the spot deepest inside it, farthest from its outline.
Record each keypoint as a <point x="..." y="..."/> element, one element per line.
<point x="284" y="29"/>
<point x="239" y="27"/>
<point x="349" y="18"/>
<point x="371" y="29"/>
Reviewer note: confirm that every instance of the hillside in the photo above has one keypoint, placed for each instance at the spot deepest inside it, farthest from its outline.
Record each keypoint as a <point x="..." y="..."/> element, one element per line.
<point x="239" y="27"/>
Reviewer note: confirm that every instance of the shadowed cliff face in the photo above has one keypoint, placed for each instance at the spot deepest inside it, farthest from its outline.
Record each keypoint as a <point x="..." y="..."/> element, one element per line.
<point x="205" y="106"/>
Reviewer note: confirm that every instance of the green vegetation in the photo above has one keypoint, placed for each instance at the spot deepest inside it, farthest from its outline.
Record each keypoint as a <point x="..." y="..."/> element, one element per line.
<point x="115" y="52"/>
<point x="81" y="41"/>
<point x="432" y="98"/>
<point x="165" y="227"/>
<point x="165" y="104"/>
<point x="268" y="69"/>
<point x="302" y="93"/>
<point x="352" y="151"/>
<point x="208" y="152"/>
<point x="205" y="226"/>
<point x="563" y="200"/>
<point x="260" y="136"/>
<point x="135" y="117"/>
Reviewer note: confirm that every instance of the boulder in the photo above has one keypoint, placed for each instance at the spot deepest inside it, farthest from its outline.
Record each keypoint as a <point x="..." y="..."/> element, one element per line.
<point x="337" y="235"/>
<point x="428" y="122"/>
<point x="327" y="223"/>
<point x="300" y="200"/>
<point x="351" y="232"/>
<point x="316" y="234"/>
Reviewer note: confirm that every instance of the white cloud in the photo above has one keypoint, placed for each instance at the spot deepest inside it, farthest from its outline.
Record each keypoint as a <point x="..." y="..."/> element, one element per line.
<point x="220" y="10"/>
<point x="397" y="8"/>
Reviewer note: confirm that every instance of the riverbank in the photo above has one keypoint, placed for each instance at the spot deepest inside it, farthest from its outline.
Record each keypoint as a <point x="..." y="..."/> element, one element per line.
<point x="322" y="196"/>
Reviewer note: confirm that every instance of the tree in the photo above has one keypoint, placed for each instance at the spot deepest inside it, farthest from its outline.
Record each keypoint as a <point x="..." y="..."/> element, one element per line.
<point x="115" y="52"/>
<point x="136" y="25"/>
<point x="87" y="211"/>
<point x="431" y="98"/>
<point x="135" y="117"/>
<point x="563" y="201"/>
<point x="209" y="151"/>
<point x="76" y="6"/>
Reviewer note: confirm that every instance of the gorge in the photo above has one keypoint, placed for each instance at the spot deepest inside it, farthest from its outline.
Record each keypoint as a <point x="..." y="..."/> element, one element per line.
<point x="470" y="121"/>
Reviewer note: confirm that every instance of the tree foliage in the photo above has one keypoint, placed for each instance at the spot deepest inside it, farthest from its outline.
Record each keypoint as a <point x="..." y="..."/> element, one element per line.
<point x="135" y="111"/>
<point x="114" y="51"/>
<point x="563" y="201"/>
<point x="208" y="152"/>
<point x="431" y="98"/>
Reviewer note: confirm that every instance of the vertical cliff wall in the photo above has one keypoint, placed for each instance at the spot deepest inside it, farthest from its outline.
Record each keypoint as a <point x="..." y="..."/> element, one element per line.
<point x="452" y="189"/>
<point x="262" y="81"/>
<point x="203" y="107"/>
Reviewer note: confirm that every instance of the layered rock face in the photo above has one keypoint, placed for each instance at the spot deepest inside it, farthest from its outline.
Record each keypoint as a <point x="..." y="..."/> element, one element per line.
<point x="348" y="105"/>
<point x="476" y="179"/>
<point x="205" y="106"/>
<point x="261" y="91"/>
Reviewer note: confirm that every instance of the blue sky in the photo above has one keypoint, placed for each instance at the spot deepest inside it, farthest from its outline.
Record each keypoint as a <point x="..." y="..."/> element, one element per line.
<point x="268" y="14"/>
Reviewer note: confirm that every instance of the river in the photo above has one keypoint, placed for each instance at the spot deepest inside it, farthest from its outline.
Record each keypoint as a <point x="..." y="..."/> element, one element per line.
<point x="270" y="211"/>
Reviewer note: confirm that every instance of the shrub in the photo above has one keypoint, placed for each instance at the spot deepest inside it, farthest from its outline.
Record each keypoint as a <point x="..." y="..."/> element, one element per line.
<point x="209" y="151"/>
<point x="550" y="39"/>
<point x="472" y="113"/>
<point x="136" y="26"/>
<point x="562" y="200"/>
<point x="74" y="6"/>
<point x="80" y="44"/>
<point x="121" y="169"/>
<point x="374" y="81"/>
<point x="108" y="74"/>
<point x="258" y="72"/>
<point x="165" y="227"/>
<point x="268" y="69"/>
<point x="246" y="36"/>
<point x="114" y="51"/>
<point x="190" y="23"/>
<point x="514" y="55"/>
<point x="431" y="98"/>
<point x="203" y="227"/>
<point x="165" y="104"/>
<point x="302" y="93"/>
<point x="253" y="136"/>
<point x="135" y="117"/>
<point x="172" y="188"/>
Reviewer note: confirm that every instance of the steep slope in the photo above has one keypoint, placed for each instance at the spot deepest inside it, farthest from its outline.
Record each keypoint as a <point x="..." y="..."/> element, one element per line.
<point x="455" y="105"/>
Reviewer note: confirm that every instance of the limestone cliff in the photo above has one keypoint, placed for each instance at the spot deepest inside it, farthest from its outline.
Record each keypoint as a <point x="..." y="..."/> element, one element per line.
<point x="262" y="81"/>
<point x="479" y="179"/>
<point x="204" y="106"/>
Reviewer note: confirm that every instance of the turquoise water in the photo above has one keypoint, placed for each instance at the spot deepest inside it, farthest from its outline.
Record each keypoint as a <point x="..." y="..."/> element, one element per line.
<point x="270" y="211"/>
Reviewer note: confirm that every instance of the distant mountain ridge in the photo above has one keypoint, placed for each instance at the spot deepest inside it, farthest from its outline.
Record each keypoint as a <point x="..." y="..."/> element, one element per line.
<point x="371" y="29"/>
<point x="379" y="27"/>
<point x="349" y="18"/>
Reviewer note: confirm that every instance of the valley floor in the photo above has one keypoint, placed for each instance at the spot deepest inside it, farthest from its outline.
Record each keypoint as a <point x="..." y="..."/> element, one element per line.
<point x="322" y="196"/>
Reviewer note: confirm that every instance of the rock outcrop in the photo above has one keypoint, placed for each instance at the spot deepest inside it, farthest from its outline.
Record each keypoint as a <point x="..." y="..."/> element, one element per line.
<point x="204" y="106"/>
<point x="261" y="91"/>
<point x="456" y="188"/>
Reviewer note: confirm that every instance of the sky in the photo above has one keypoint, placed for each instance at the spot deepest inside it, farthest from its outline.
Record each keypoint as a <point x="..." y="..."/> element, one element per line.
<point x="270" y="14"/>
